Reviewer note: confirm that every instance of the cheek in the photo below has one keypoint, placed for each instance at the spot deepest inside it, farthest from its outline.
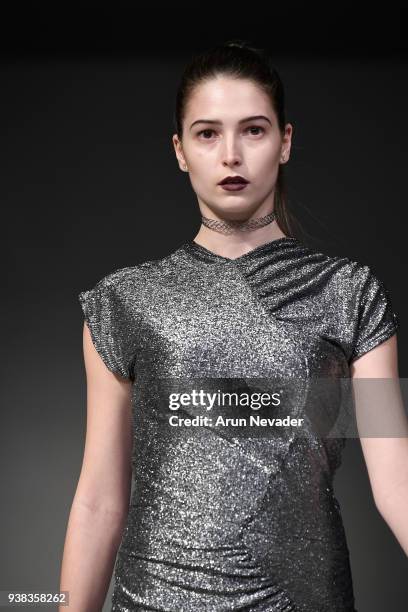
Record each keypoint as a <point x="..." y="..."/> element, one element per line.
<point x="265" y="155"/>
<point x="201" y="162"/>
<point x="264" y="163"/>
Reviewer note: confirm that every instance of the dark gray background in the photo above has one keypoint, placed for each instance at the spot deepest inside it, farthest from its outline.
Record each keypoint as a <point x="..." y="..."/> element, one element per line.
<point x="90" y="183"/>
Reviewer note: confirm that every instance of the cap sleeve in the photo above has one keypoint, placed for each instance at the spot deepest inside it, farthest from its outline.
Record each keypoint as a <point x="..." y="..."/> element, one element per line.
<point x="376" y="319"/>
<point x="108" y="322"/>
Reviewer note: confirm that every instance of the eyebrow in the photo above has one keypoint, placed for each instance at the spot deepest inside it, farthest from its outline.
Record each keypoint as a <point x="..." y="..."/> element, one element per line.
<point x="216" y="121"/>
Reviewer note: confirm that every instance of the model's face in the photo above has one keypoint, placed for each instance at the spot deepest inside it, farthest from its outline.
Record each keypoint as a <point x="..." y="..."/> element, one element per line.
<point x="252" y="148"/>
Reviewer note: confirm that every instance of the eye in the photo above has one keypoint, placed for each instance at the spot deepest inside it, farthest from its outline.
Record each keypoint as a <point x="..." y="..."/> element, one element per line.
<point x="252" y="127"/>
<point x="256" y="127"/>
<point x="203" y="132"/>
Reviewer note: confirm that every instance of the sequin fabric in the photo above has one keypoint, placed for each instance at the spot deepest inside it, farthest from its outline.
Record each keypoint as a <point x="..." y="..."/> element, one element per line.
<point x="216" y="523"/>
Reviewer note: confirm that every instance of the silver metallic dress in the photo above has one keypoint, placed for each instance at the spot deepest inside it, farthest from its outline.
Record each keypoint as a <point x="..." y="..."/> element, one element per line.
<point x="220" y="522"/>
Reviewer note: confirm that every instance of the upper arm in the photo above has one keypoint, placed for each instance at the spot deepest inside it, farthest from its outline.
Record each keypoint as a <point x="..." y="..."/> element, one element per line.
<point x="380" y="409"/>
<point x="109" y="340"/>
<point x="381" y="361"/>
<point x="108" y="312"/>
<point x="105" y="478"/>
<point x="380" y="413"/>
<point x="372" y="322"/>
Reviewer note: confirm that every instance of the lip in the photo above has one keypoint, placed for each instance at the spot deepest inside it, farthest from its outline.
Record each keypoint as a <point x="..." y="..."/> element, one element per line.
<point x="233" y="186"/>
<point x="237" y="177"/>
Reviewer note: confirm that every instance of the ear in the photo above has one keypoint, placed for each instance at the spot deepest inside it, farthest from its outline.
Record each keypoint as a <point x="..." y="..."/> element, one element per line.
<point x="179" y="152"/>
<point x="287" y="142"/>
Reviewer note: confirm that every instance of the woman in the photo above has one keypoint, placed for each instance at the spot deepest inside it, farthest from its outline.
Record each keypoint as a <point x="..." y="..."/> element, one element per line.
<point x="219" y="520"/>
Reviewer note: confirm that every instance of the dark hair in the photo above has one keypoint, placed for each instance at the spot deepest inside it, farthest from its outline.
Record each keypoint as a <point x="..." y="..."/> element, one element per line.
<point x="239" y="60"/>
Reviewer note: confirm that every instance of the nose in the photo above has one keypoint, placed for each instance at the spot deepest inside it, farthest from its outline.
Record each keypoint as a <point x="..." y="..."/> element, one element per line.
<point x="230" y="155"/>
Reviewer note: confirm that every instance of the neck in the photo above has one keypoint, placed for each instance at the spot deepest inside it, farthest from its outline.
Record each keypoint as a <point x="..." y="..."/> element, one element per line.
<point x="234" y="238"/>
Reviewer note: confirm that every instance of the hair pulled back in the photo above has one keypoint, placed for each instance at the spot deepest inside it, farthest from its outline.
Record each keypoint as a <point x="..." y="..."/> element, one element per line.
<point x="236" y="59"/>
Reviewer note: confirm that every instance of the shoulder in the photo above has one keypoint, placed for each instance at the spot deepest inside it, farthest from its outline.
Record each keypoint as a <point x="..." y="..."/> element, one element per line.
<point x="130" y="276"/>
<point x="130" y="289"/>
<point x="343" y="271"/>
